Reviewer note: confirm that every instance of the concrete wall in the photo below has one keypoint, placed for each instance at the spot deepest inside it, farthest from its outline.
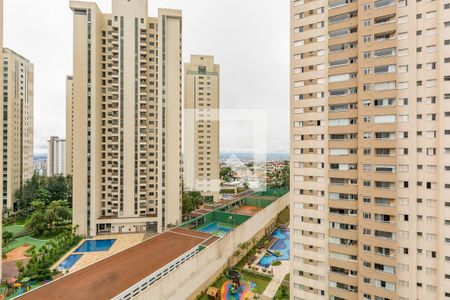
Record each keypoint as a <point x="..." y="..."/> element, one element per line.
<point x="199" y="272"/>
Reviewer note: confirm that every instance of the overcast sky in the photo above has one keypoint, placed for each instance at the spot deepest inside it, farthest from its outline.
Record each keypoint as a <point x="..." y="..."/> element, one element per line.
<point x="249" y="38"/>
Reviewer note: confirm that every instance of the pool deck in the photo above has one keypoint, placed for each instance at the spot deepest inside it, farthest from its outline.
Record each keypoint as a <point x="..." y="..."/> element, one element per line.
<point x="111" y="276"/>
<point x="123" y="241"/>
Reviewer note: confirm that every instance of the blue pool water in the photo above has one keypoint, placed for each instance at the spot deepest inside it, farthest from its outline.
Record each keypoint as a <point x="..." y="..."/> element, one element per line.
<point x="215" y="229"/>
<point x="282" y="244"/>
<point x="69" y="262"/>
<point x="95" y="246"/>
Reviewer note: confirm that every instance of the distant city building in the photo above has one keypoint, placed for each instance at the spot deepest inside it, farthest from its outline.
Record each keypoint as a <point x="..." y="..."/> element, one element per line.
<point x="40" y="167"/>
<point x="370" y="101"/>
<point x="202" y="127"/>
<point x="125" y="118"/>
<point x="17" y="119"/>
<point x="56" y="157"/>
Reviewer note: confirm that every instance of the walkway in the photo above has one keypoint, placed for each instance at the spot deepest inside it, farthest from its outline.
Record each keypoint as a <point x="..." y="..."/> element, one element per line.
<point x="279" y="272"/>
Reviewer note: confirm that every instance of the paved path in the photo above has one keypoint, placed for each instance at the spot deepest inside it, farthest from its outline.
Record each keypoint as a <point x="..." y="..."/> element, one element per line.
<point x="279" y="272"/>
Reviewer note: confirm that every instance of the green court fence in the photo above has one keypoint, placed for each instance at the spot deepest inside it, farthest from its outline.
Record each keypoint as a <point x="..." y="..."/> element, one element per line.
<point x="231" y="219"/>
<point x="272" y="192"/>
<point x="262" y="203"/>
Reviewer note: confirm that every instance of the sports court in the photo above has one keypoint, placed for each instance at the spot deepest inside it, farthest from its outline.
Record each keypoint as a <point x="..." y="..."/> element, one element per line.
<point x="247" y="210"/>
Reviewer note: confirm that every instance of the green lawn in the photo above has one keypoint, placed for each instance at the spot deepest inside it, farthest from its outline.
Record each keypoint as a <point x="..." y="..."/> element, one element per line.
<point x="282" y="293"/>
<point x="24" y="240"/>
<point x="261" y="282"/>
<point x="14" y="229"/>
<point x="287" y="277"/>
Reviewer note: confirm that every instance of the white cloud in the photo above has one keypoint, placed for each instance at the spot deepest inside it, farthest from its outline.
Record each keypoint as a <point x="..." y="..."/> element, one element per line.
<point x="250" y="40"/>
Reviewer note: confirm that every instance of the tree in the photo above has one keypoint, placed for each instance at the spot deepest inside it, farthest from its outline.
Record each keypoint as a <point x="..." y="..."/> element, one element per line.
<point x="37" y="223"/>
<point x="8" y="238"/>
<point x="26" y="194"/>
<point x="191" y="201"/>
<point x="57" y="187"/>
<point x="279" y="179"/>
<point x="44" y="219"/>
<point x="58" y="211"/>
<point x="43" y="195"/>
<point x="226" y="174"/>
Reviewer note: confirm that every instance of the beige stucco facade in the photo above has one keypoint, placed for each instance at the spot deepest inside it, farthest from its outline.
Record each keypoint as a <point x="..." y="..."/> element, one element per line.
<point x="126" y="118"/>
<point x="202" y="127"/>
<point x="370" y="156"/>
<point x="69" y="124"/>
<point x="17" y="119"/>
<point x="1" y="124"/>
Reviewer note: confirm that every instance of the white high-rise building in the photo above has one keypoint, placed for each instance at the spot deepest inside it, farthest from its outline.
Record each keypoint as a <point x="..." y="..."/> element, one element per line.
<point x="56" y="158"/>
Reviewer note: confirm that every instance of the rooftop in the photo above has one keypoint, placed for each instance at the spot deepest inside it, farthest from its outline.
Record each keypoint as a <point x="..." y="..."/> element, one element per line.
<point x="157" y="256"/>
<point x="111" y="276"/>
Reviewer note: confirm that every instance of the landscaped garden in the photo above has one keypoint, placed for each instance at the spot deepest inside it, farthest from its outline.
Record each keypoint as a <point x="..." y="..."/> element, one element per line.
<point x="37" y="234"/>
<point x="257" y="261"/>
<point x="256" y="282"/>
<point x="282" y="293"/>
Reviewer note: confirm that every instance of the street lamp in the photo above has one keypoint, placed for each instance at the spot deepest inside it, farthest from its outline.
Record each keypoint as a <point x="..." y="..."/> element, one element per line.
<point x="230" y="219"/>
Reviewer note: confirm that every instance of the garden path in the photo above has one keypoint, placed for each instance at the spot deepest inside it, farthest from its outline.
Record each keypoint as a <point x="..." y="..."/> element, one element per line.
<point x="279" y="272"/>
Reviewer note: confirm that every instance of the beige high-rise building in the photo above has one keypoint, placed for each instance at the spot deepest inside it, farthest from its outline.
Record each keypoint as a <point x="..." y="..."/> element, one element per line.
<point x="370" y="149"/>
<point x="1" y="126"/>
<point x="202" y="127"/>
<point x="126" y="118"/>
<point x="56" y="157"/>
<point x="17" y="119"/>
<point x="69" y="124"/>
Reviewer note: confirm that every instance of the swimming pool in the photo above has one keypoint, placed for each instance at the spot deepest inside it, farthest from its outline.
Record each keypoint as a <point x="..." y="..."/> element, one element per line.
<point x="95" y="246"/>
<point x="282" y="244"/>
<point x="69" y="262"/>
<point x="216" y="229"/>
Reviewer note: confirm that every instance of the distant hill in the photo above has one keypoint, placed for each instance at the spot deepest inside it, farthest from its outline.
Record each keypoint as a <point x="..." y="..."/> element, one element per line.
<point x="247" y="157"/>
<point x="40" y="157"/>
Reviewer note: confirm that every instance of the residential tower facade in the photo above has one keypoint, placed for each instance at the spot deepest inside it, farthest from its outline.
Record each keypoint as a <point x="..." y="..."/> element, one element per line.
<point x="17" y="119"/>
<point x="126" y="119"/>
<point x="202" y="127"/>
<point x="69" y="124"/>
<point x="370" y="156"/>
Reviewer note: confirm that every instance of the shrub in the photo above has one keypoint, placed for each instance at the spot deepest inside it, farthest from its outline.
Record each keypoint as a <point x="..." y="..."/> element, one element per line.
<point x="41" y="260"/>
<point x="276" y="263"/>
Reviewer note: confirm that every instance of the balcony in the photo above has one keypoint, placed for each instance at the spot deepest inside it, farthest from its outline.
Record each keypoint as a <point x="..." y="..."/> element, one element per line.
<point x="384" y="3"/>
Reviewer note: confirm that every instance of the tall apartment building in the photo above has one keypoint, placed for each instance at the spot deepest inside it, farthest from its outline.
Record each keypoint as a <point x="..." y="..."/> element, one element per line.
<point x="56" y="158"/>
<point x="202" y="127"/>
<point x="1" y="124"/>
<point x="69" y="125"/>
<point x="17" y="119"/>
<point x="370" y="146"/>
<point x="126" y="118"/>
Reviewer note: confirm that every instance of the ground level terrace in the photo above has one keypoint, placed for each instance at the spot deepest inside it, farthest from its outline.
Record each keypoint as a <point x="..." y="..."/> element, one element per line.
<point x="111" y="276"/>
<point x="135" y="271"/>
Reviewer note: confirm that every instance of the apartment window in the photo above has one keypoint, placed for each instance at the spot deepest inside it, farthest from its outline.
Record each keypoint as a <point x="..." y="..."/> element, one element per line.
<point x="403" y="101"/>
